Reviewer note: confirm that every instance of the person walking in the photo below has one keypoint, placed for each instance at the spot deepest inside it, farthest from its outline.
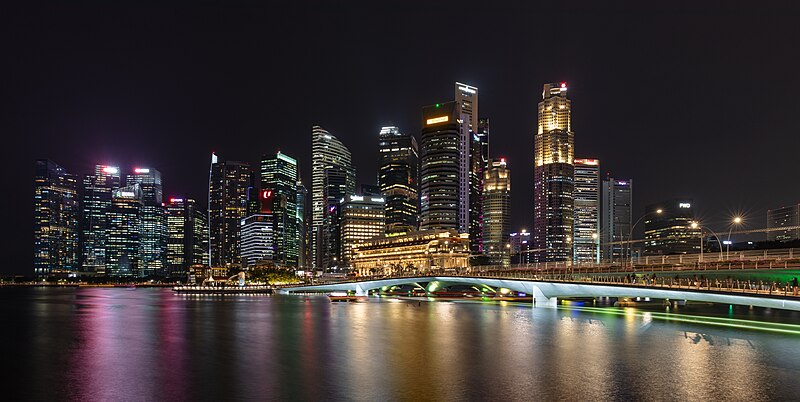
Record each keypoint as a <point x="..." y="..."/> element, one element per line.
<point x="794" y="286"/>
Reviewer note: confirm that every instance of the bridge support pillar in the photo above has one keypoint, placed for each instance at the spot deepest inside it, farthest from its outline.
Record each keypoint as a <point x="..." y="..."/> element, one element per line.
<point x="540" y="300"/>
<point x="360" y="291"/>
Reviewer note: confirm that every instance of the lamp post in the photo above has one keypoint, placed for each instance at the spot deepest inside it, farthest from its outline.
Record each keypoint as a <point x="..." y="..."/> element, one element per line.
<point x="695" y="225"/>
<point x="630" y="232"/>
<point x="735" y="222"/>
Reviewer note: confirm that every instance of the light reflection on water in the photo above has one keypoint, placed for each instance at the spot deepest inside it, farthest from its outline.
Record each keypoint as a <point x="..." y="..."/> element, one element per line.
<point x="151" y="344"/>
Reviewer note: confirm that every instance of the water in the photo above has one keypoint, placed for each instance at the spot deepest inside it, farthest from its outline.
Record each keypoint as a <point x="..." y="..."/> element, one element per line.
<point x="151" y="344"/>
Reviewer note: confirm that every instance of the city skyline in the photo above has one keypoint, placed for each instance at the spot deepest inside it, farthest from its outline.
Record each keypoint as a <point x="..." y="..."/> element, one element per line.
<point x="711" y="120"/>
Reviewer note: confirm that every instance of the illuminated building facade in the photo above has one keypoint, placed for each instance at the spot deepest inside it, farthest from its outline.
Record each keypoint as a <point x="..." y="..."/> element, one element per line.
<point x="55" y="220"/>
<point x="187" y="236"/>
<point x="123" y="247"/>
<point x="671" y="232"/>
<point x="279" y="176"/>
<point x="497" y="212"/>
<point x="553" y="187"/>
<point x="302" y="225"/>
<point x="332" y="178"/>
<point x="586" y="236"/>
<point x="153" y="230"/>
<point x="783" y="218"/>
<point x="227" y="206"/>
<point x="441" y="201"/>
<point x="520" y="247"/>
<point x="412" y="252"/>
<point x="616" y="219"/>
<point x="98" y="191"/>
<point x="259" y="239"/>
<point x="471" y="165"/>
<point x="360" y="218"/>
<point x="398" y="163"/>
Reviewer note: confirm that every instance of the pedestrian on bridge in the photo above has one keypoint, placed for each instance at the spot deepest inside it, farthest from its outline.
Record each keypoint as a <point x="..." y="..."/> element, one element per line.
<point x="794" y="285"/>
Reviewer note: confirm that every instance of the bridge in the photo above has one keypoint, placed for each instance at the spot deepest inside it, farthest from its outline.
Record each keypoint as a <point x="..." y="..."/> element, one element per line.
<point x="546" y="289"/>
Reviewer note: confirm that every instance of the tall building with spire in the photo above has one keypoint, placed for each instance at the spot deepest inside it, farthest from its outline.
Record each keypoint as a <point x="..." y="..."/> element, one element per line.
<point x="228" y="186"/>
<point x="98" y="189"/>
<point x="398" y="179"/>
<point x="497" y="212"/>
<point x="332" y="177"/>
<point x="553" y="186"/>
<point x="56" y="214"/>
<point x="279" y="175"/>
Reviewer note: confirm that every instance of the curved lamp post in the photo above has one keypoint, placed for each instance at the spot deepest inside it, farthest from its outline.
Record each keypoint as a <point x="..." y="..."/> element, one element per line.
<point x="696" y="225"/>
<point x="735" y="222"/>
<point x="630" y="232"/>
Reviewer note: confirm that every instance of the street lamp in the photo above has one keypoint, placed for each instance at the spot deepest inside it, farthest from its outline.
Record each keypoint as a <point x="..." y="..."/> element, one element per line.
<point x="630" y="233"/>
<point x="695" y="225"/>
<point x="735" y="222"/>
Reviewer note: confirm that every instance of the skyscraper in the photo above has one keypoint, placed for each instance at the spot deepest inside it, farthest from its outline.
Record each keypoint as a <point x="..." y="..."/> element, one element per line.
<point x="332" y="177"/>
<point x="279" y="175"/>
<point x="55" y="219"/>
<point x="441" y="194"/>
<point x="586" y="236"/>
<point x="187" y="234"/>
<point x="302" y="225"/>
<point x="361" y="218"/>
<point x="497" y="212"/>
<point x="227" y="206"/>
<point x="616" y="219"/>
<point x="259" y="238"/>
<point x="471" y="165"/>
<point x="786" y="217"/>
<point x="123" y="244"/>
<point x="668" y="228"/>
<point x="398" y="178"/>
<point x="553" y="173"/>
<point x="153" y="231"/>
<point x="98" y="190"/>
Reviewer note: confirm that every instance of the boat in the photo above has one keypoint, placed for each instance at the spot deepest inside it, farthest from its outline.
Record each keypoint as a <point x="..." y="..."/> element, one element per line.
<point x="342" y="297"/>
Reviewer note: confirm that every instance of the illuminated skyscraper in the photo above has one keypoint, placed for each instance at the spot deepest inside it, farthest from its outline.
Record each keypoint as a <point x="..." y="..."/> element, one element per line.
<point x="472" y="163"/>
<point x="302" y="226"/>
<point x="670" y="231"/>
<point x="187" y="231"/>
<point x="332" y="177"/>
<point x="497" y="212"/>
<point x="553" y="206"/>
<point x="360" y="218"/>
<point x="279" y="175"/>
<point x="153" y="231"/>
<point x="398" y="178"/>
<point x="55" y="220"/>
<point x="98" y="191"/>
<point x="123" y="245"/>
<point x="786" y="217"/>
<point x="259" y="238"/>
<point x="227" y="206"/>
<point x="442" y="197"/>
<point x="616" y="219"/>
<point x="586" y="236"/>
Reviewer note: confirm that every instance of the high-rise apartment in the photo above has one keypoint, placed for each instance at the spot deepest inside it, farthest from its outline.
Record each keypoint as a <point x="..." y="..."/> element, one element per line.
<point x="279" y="175"/>
<point x="497" y="212"/>
<point x="153" y="230"/>
<point x="98" y="191"/>
<point x="398" y="179"/>
<point x="553" y="186"/>
<point x="227" y="205"/>
<point x="332" y="178"/>
<point x="616" y="219"/>
<point x="187" y="236"/>
<point x="586" y="236"/>
<point x="55" y="220"/>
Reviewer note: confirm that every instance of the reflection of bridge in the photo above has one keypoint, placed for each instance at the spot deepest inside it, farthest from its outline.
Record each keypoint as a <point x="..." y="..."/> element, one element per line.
<point x="546" y="289"/>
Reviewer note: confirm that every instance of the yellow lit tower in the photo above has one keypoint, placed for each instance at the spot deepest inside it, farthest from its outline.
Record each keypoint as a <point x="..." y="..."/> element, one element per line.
<point x="553" y="205"/>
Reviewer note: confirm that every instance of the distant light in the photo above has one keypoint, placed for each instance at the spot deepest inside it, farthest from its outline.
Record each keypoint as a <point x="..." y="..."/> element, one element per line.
<point x="727" y="242"/>
<point x="440" y="119"/>
<point x="564" y="85"/>
<point x="110" y="170"/>
<point x="176" y="200"/>
<point x="266" y="194"/>
<point x="684" y="205"/>
<point x="438" y="105"/>
<point x="141" y="170"/>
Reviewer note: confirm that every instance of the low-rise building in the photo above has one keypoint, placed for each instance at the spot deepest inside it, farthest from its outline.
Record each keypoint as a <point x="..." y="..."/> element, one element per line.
<point x="412" y="252"/>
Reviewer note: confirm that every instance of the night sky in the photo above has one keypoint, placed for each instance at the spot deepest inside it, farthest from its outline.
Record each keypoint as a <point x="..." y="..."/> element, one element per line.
<point x="699" y="103"/>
